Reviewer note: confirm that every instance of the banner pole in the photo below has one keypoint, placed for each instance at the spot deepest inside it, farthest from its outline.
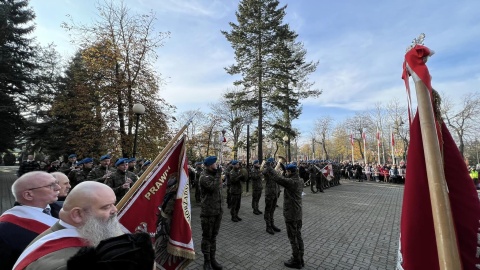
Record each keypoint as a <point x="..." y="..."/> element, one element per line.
<point x="157" y="160"/>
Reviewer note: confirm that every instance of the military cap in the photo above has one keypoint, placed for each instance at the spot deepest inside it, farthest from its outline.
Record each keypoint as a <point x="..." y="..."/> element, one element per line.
<point x="198" y="163"/>
<point x="72" y="156"/>
<point x="234" y="162"/>
<point x="104" y="157"/>
<point x="79" y="163"/>
<point x="87" y="160"/>
<point x="210" y="160"/>
<point x="270" y="160"/>
<point x="131" y="160"/>
<point x="291" y="167"/>
<point x="255" y="162"/>
<point x="148" y="162"/>
<point x="121" y="161"/>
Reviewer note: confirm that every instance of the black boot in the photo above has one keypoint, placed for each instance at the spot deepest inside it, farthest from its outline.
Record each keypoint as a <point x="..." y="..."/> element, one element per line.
<point x="293" y="263"/>
<point x="238" y="218"/>
<point x="234" y="219"/>
<point x="275" y="228"/>
<point x="214" y="263"/>
<point x="259" y="212"/>
<point x="206" y="262"/>
<point x="269" y="230"/>
<point x="301" y="260"/>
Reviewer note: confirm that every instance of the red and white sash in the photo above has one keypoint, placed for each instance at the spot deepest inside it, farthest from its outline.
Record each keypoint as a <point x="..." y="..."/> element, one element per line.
<point x="49" y="243"/>
<point x="28" y="218"/>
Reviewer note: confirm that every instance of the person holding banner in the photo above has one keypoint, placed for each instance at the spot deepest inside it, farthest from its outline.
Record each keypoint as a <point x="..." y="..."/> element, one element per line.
<point x="211" y="212"/>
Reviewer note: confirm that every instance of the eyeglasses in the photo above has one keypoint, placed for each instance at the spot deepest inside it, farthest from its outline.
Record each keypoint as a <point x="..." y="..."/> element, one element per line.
<point x="51" y="186"/>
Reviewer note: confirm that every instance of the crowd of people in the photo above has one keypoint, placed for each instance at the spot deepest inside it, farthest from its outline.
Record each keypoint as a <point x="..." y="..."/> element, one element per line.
<point x="41" y="195"/>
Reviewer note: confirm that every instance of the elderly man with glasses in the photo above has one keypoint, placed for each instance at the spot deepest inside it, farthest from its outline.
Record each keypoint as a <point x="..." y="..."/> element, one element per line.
<point x="31" y="215"/>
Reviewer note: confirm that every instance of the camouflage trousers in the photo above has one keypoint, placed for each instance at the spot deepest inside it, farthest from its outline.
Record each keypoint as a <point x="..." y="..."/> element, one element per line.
<point x="235" y="201"/>
<point x="256" y="194"/>
<point x="270" y="205"/>
<point x="294" y="233"/>
<point x="197" y="194"/>
<point x="210" y="228"/>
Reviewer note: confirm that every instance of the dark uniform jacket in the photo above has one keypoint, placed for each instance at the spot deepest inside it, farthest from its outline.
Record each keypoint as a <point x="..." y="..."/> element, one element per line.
<point x="211" y="193"/>
<point x="236" y="176"/>
<point x="271" y="187"/>
<point x="292" y="196"/>
<point x="97" y="174"/>
<point x="256" y="178"/>
<point x="117" y="179"/>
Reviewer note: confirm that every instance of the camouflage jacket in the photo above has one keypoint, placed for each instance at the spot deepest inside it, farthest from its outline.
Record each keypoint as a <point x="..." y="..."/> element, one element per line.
<point x="256" y="179"/>
<point x="292" y="195"/>
<point x="97" y="174"/>
<point x="271" y="187"/>
<point x="211" y="193"/>
<point x="117" y="179"/>
<point x="78" y="176"/>
<point x="236" y="178"/>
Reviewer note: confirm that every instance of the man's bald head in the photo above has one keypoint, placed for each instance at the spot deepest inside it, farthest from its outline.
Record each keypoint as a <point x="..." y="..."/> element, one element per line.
<point x="86" y="199"/>
<point x="36" y="189"/>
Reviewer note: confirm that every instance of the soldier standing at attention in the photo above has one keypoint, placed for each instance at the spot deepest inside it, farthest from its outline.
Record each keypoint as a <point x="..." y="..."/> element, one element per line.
<point x="271" y="195"/>
<point x="257" y="186"/>
<point x="236" y="177"/>
<point x="292" y="212"/>
<point x="80" y="175"/>
<point x="211" y="212"/>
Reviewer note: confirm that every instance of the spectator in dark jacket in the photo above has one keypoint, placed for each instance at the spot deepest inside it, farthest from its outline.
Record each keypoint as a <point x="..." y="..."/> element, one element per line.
<point x="28" y="165"/>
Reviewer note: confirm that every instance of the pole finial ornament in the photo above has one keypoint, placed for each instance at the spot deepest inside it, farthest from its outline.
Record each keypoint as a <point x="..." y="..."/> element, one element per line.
<point x="416" y="41"/>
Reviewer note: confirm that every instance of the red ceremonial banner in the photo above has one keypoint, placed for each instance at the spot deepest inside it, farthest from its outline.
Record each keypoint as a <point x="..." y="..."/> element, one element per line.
<point x="142" y="211"/>
<point x="418" y="248"/>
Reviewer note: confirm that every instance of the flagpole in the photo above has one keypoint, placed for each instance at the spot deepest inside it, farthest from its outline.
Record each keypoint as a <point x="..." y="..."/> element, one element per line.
<point x="364" y="135"/>
<point x="447" y="246"/>
<point x="152" y="166"/>
<point x="392" y="143"/>
<point x="378" y="146"/>
<point x="351" y="142"/>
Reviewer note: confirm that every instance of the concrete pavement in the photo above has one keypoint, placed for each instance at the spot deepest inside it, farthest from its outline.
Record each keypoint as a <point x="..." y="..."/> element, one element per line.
<point x="352" y="226"/>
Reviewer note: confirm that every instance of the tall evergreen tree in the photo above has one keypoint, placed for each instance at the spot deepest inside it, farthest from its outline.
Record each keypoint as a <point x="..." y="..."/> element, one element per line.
<point x="254" y="39"/>
<point x="16" y="54"/>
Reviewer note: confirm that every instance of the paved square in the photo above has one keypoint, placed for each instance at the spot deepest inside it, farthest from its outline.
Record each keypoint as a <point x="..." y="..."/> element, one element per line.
<point x="351" y="226"/>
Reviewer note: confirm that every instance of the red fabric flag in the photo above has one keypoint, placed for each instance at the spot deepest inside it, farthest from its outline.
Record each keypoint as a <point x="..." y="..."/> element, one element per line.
<point x="393" y="139"/>
<point x="143" y="210"/>
<point x="418" y="249"/>
<point x="351" y="139"/>
<point x="328" y="172"/>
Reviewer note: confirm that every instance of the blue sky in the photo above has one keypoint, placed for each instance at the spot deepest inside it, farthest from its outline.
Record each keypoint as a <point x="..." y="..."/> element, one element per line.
<point x="360" y="46"/>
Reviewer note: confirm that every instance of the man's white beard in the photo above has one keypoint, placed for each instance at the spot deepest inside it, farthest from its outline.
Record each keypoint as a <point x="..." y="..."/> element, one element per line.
<point x="96" y="230"/>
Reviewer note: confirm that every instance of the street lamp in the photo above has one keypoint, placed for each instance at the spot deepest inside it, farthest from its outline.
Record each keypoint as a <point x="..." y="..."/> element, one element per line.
<point x="248" y="121"/>
<point x="285" y="139"/>
<point x="138" y="109"/>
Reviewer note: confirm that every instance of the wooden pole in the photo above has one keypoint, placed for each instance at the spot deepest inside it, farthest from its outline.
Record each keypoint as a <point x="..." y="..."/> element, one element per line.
<point x="447" y="247"/>
<point x="157" y="160"/>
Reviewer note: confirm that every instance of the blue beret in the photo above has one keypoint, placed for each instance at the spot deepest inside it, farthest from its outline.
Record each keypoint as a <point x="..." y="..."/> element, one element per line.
<point x="210" y="160"/>
<point x="72" y="156"/>
<point x="121" y="161"/>
<point x="291" y="167"/>
<point x="255" y="161"/>
<point x="234" y="162"/>
<point x="79" y="163"/>
<point x="198" y="163"/>
<point x="270" y="159"/>
<point x="148" y="162"/>
<point x="131" y="160"/>
<point x="104" y="157"/>
<point x="87" y="160"/>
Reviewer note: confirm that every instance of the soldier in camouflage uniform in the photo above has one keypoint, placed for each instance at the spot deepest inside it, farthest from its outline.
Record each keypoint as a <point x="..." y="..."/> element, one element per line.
<point x="67" y="167"/>
<point x="312" y="177"/>
<point x="122" y="179"/>
<point x="79" y="175"/>
<point x="227" y="179"/>
<point x="211" y="212"/>
<point x="236" y="178"/>
<point x="292" y="212"/>
<point x="101" y="172"/>
<point x="271" y="193"/>
<point x="257" y="186"/>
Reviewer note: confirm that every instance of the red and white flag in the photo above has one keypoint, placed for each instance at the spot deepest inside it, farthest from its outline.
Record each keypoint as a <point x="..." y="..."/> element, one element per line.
<point x="141" y="212"/>
<point x="328" y="172"/>
<point x="393" y="139"/>
<point x="351" y="139"/>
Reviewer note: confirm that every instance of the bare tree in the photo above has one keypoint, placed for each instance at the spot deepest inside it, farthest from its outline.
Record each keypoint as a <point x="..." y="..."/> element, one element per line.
<point x="398" y="119"/>
<point x="323" y="128"/>
<point x="462" y="119"/>
<point x="357" y="124"/>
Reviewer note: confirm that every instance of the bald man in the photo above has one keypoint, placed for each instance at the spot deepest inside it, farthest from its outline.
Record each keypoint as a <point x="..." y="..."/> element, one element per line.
<point x="88" y="216"/>
<point x="65" y="186"/>
<point x="33" y="192"/>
